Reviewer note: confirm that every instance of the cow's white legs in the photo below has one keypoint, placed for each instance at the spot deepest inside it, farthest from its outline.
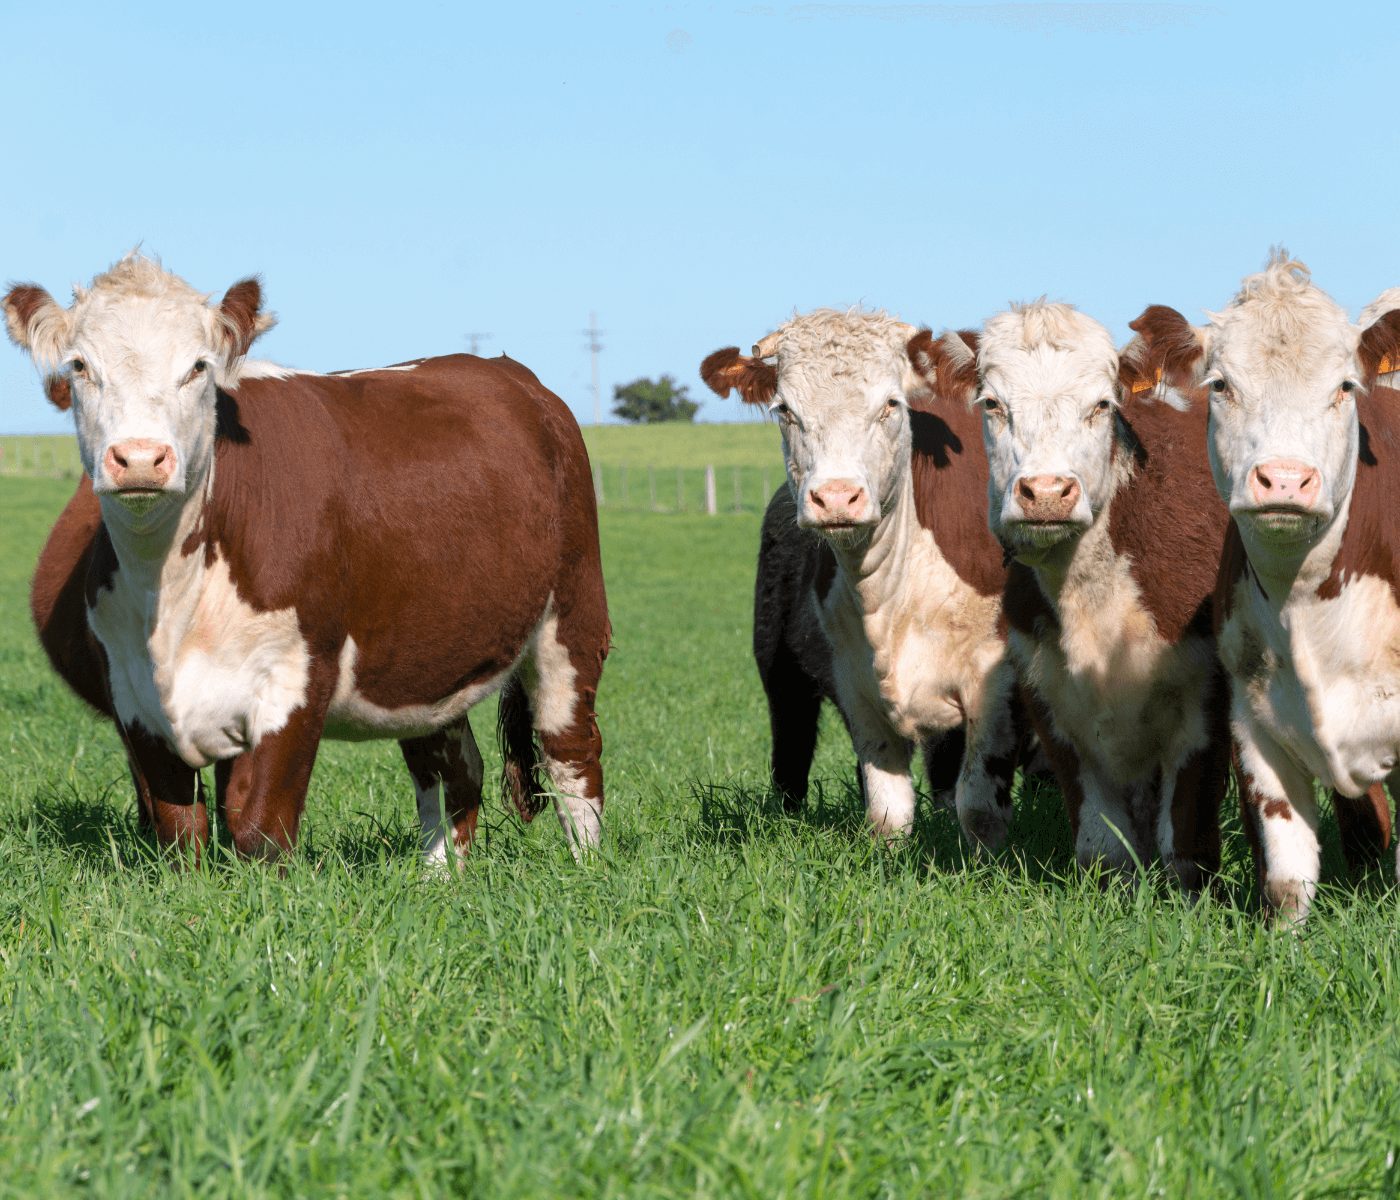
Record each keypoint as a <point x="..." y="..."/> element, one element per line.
<point x="447" y="773"/>
<point x="579" y="813"/>
<point x="1278" y="799"/>
<point x="889" y="797"/>
<point x="1107" y="834"/>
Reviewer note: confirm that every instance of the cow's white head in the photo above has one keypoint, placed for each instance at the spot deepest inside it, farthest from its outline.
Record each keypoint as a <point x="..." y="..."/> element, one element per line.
<point x="837" y="383"/>
<point x="1045" y="377"/>
<point x="140" y="356"/>
<point x="1282" y="366"/>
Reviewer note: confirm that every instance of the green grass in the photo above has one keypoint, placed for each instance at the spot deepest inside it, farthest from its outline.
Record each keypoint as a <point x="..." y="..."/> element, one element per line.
<point x="724" y="1003"/>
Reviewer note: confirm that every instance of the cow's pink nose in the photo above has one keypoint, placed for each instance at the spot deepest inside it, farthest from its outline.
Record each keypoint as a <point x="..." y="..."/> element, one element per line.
<point x="139" y="463"/>
<point x="1285" y="481"/>
<point x="837" y="502"/>
<point x="1047" y="497"/>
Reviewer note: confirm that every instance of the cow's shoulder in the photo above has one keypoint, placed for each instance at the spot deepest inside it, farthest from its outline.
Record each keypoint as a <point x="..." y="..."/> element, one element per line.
<point x="948" y="468"/>
<point x="1371" y="541"/>
<point x="1169" y="521"/>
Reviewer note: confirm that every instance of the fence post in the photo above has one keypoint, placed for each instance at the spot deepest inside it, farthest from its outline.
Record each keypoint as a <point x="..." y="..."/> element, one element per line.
<point x="598" y="485"/>
<point x="710" y="506"/>
<point x="738" y="492"/>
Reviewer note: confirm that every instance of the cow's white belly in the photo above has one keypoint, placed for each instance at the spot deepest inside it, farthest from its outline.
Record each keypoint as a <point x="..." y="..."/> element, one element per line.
<point x="352" y="716"/>
<point x="1325" y="686"/>
<point x="195" y="665"/>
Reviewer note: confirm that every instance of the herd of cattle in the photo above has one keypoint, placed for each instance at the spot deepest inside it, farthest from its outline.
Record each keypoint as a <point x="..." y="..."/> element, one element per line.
<point x="1141" y="563"/>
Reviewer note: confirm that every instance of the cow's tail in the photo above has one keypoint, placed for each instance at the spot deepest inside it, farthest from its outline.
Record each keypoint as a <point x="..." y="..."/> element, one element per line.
<point x="520" y="756"/>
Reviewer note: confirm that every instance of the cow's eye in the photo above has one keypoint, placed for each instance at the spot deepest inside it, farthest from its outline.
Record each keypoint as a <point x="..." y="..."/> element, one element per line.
<point x="199" y="367"/>
<point x="78" y="367"/>
<point x="991" y="405"/>
<point x="891" y="407"/>
<point x="1218" y="386"/>
<point x="784" y="413"/>
<point x="1103" y="406"/>
<point x="1348" y="386"/>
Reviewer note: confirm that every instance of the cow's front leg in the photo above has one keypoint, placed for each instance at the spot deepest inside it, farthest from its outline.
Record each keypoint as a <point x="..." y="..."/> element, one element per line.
<point x="264" y="790"/>
<point x="884" y="758"/>
<point x="169" y="791"/>
<point x="1280" y="817"/>
<point x="1107" y="835"/>
<point x="983" y="796"/>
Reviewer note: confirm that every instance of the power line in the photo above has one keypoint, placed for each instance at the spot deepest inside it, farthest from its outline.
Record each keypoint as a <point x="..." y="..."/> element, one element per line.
<point x="474" y="340"/>
<point x="593" y="333"/>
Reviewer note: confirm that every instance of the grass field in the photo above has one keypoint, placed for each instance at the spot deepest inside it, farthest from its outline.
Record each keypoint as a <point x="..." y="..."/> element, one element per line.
<point x="724" y="1003"/>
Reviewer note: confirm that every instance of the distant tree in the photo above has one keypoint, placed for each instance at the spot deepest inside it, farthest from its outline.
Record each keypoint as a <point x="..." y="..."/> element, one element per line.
<point x="647" y="401"/>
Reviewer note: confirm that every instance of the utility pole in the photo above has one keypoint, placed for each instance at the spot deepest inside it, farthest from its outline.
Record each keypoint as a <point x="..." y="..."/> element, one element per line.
<point x="474" y="340"/>
<point x="593" y="333"/>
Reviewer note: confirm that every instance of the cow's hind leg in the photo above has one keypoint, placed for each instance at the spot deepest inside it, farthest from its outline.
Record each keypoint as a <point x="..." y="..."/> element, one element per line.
<point x="447" y="770"/>
<point x="1364" y="824"/>
<point x="561" y="681"/>
<point x="794" y="709"/>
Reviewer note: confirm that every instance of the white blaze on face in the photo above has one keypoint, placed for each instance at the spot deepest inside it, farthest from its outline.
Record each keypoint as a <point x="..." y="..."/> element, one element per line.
<point x="841" y="404"/>
<point x="1282" y="371"/>
<point x="1048" y="387"/>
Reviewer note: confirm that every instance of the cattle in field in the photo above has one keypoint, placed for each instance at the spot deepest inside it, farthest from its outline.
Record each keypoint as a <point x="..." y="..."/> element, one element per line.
<point x="265" y="557"/>
<point x="878" y="583"/>
<point x="1304" y="447"/>
<point x="1096" y="495"/>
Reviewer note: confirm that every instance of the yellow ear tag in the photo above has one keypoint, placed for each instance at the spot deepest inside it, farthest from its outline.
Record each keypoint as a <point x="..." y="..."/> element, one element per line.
<point x="1143" y="386"/>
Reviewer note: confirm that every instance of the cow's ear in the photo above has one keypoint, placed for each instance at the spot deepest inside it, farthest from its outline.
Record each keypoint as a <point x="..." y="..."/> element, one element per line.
<point x="241" y="320"/>
<point x="1165" y="359"/>
<point x="36" y="323"/>
<point x="59" y="391"/>
<point x="947" y="364"/>
<point x="727" y="369"/>
<point x="1379" y="349"/>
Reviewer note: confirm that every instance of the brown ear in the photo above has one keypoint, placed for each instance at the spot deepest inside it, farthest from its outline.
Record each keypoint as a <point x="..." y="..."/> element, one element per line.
<point x="948" y="364"/>
<point x="241" y="315"/>
<point x="59" y="391"/>
<point x="36" y="322"/>
<point x="1167" y="351"/>
<point x="1379" y="350"/>
<point x="727" y="369"/>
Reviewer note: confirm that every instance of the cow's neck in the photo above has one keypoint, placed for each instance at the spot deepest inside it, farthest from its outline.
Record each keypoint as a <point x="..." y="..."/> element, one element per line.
<point x="157" y="557"/>
<point x="874" y="566"/>
<point x="1077" y="567"/>
<point x="1283" y="576"/>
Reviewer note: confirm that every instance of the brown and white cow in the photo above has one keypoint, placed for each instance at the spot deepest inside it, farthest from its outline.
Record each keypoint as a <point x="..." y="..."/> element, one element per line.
<point x="265" y="557"/>
<point x="1305" y="451"/>
<point x="878" y="582"/>
<point x="1096" y="495"/>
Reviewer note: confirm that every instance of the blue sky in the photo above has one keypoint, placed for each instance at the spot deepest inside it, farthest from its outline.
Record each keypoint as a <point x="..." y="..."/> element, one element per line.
<point x="404" y="174"/>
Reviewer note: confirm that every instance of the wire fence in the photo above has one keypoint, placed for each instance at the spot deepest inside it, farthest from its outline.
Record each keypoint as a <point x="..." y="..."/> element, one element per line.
<point x="41" y="456"/>
<point x="620" y="487"/>
<point x="709" y="489"/>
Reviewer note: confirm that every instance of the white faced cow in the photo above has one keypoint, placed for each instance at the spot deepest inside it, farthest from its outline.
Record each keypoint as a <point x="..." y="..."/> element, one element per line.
<point x="878" y="583"/>
<point x="265" y="557"/>
<point x="1108" y="598"/>
<point x="1305" y="450"/>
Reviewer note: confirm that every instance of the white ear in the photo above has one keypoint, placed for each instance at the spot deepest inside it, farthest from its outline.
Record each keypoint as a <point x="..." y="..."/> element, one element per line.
<point x="36" y="323"/>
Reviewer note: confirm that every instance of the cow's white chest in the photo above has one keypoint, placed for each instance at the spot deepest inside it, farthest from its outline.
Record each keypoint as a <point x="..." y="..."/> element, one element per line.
<point x="917" y="644"/>
<point x="195" y="664"/>
<point x="1127" y="700"/>
<point x="1322" y="677"/>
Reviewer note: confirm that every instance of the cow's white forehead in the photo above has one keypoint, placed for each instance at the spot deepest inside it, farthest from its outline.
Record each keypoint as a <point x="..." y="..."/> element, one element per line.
<point x="139" y="304"/>
<point x="1281" y="326"/>
<point x="827" y="351"/>
<point x="1047" y="350"/>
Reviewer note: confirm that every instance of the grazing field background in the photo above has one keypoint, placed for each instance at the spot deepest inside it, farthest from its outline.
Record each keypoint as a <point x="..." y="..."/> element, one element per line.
<point x="724" y="1002"/>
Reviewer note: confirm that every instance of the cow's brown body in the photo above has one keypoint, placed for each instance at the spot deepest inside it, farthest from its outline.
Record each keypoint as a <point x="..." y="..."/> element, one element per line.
<point x="428" y="525"/>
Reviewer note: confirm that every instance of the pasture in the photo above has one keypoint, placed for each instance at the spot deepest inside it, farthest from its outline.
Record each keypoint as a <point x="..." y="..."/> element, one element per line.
<point x="724" y="1002"/>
